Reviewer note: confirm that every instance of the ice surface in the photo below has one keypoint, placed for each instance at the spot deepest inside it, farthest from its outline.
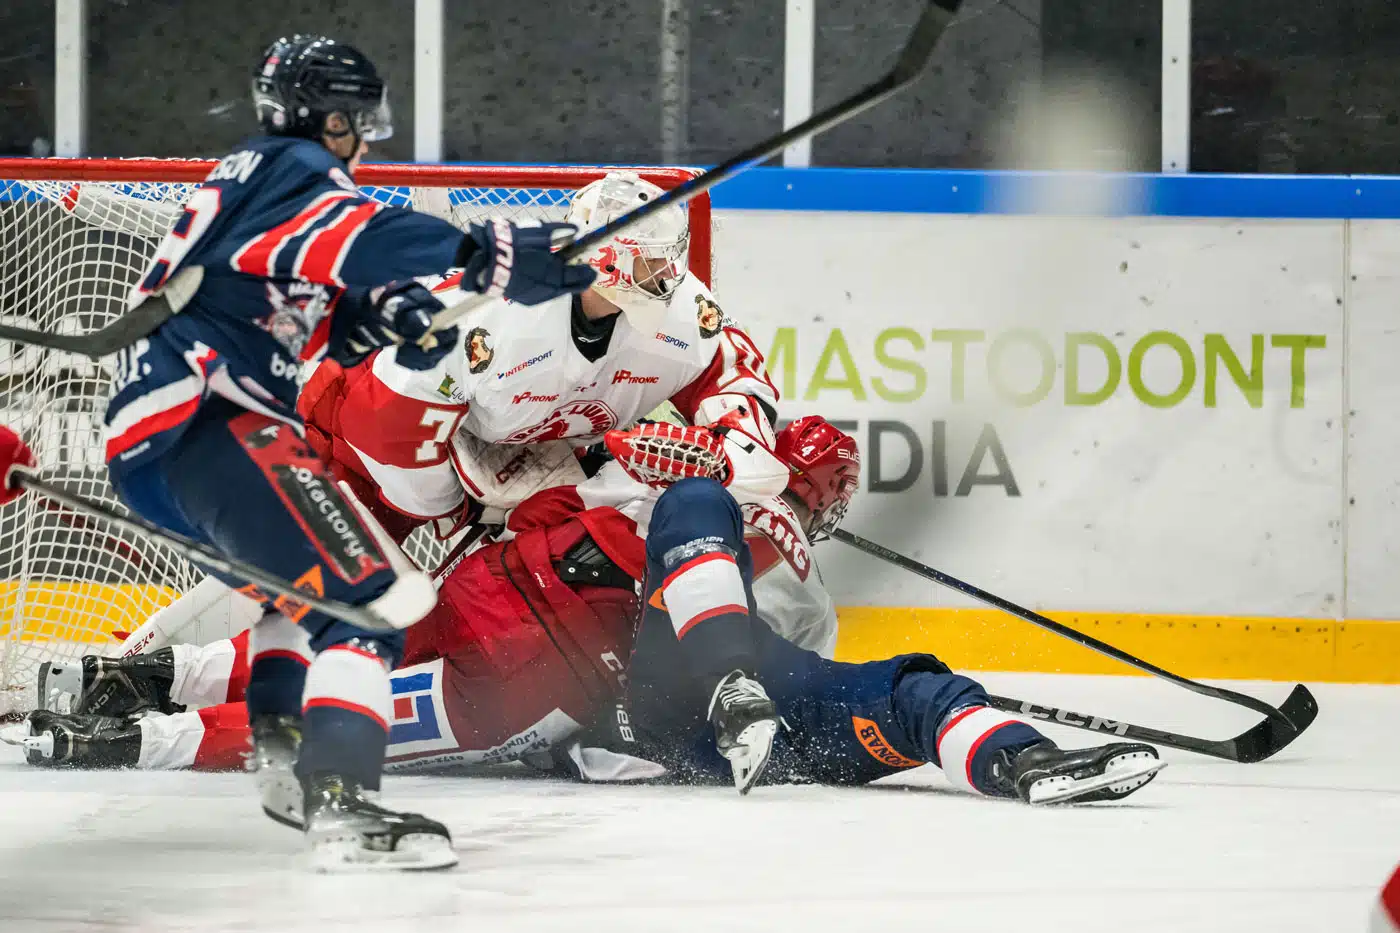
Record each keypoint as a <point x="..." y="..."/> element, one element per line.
<point x="1302" y="842"/>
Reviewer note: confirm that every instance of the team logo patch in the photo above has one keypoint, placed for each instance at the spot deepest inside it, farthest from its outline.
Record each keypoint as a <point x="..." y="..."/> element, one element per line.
<point x="479" y="352"/>
<point x="420" y="725"/>
<point x="445" y="388"/>
<point x="297" y="307"/>
<point x="586" y="418"/>
<point x="874" y="742"/>
<point x="708" y="316"/>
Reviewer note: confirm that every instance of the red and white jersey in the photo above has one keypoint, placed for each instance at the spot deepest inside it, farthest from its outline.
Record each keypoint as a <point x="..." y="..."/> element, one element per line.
<point x="787" y="586"/>
<point x="519" y="379"/>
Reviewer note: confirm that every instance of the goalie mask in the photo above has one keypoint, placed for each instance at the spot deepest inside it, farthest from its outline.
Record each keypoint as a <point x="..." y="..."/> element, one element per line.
<point x="640" y="269"/>
<point x="825" y="467"/>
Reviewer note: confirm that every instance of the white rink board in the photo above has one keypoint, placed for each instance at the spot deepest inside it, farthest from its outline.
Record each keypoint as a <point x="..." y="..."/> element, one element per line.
<point x="1202" y="504"/>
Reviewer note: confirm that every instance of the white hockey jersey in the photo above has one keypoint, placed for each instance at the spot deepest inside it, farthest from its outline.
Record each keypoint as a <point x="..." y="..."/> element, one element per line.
<point x="519" y="379"/>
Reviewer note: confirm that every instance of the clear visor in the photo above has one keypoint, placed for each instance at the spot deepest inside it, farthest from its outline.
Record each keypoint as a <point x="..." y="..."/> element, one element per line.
<point x="377" y="124"/>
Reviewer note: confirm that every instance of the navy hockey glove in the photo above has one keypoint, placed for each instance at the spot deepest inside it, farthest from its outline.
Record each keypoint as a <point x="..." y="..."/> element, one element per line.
<point x="402" y="313"/>
<point x="516" y="262"/>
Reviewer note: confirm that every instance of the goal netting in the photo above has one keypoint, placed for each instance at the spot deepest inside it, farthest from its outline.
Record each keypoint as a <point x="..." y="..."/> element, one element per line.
<point x="75" y="234"/>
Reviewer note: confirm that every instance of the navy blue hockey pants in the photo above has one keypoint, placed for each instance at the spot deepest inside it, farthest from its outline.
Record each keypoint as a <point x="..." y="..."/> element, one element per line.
<point x="844" y="723"/>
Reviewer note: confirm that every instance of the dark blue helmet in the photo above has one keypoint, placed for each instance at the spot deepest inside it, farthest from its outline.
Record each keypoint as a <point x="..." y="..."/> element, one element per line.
<point x="305" y="79"/>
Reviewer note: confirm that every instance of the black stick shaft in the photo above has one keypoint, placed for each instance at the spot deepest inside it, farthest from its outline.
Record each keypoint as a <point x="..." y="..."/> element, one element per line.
<point x="915" y="54"/>
<point x="207" y="556"/>
<point x="1064" y="631"/>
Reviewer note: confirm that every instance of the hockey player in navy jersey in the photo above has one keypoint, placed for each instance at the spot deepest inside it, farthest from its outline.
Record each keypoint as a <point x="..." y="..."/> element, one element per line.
<point x="276" y="259"/>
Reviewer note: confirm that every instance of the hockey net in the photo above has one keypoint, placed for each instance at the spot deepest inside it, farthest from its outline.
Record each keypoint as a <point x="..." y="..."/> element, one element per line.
<point x="75" y="234"/>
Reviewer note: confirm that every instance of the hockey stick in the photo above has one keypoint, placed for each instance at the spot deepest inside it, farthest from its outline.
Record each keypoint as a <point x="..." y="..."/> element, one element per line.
<point x="143" y="320"/>
<point x="1300" y="702"/>
<point x="913" y="57"/>
<point x="1262" y="740"/>
<point x="205" y="555"/>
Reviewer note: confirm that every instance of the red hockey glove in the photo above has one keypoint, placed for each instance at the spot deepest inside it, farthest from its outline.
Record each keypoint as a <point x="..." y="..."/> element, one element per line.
<point x="658" y="454"/>
<point x="15" y="455"/>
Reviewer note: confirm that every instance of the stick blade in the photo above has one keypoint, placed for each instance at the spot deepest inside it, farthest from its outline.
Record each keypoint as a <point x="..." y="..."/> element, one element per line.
<point x="1270" y="736"/>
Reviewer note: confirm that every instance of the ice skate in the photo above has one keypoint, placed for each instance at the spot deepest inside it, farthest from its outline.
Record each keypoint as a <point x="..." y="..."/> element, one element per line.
<point x="745" y="722"/>
<point x="1046" y="773"/>
<point x="110" y="686"/>
<point x="347" y="831"/>
<point x="276" y="742"/>
<point x="59" y="740"/>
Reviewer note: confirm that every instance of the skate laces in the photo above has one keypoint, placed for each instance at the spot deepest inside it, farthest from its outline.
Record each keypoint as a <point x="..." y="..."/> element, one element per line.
<point x="738" y="691"/>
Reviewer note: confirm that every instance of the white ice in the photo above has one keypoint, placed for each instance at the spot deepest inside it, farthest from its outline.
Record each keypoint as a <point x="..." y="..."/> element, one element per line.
<point x="1299" y="843"/>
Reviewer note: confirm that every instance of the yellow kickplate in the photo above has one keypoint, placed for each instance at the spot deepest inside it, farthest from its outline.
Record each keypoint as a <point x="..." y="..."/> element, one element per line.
<point x="1226" y="647"/>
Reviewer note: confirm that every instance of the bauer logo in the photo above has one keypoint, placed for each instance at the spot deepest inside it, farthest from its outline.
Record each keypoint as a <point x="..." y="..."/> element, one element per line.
<point x="420" y="724"/>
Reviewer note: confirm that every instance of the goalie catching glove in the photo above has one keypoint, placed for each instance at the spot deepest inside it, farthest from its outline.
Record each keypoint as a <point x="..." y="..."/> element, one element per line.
<point x="659" y="454"/>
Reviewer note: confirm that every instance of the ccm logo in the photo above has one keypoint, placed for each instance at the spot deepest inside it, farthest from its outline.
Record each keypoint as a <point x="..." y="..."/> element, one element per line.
<point x="528" y="396"/>
<point x="1093" y="723"/>
<point x="625" y="375"/>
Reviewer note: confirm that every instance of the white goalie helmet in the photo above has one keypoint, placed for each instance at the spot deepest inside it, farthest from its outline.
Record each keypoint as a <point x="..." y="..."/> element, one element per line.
<point x="640" y="269"/>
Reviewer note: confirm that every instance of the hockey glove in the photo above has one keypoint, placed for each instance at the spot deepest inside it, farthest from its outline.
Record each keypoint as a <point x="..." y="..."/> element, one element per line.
<point x="658" y="453"/>
<point x="398" y="313"/>
<point x="517" y="262"/>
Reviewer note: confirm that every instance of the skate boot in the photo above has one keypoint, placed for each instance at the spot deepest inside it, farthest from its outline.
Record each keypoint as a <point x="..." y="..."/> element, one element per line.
<point x="111" y="686"/>
<point x="745" y="722"/>
<point x="347" y="831"/>
<point x="59" y="740"/>
<point x="276" y="742"/>
<point x="1046" y="773"/>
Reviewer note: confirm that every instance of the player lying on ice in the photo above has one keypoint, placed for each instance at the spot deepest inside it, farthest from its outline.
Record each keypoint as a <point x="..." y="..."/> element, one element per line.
<point x="275" y="259"/>
<point x="522" y="658"/>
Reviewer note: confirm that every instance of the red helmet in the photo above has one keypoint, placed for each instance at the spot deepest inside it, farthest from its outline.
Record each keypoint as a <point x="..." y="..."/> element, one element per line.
<point x="825" y="468"/>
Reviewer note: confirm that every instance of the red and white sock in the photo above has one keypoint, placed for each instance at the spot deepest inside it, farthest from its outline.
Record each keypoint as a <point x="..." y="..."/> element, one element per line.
<point x="213" y="739"/>
<point x="352" y="679"/>
<point x="204" y="674"/>
<point x="970" y="730"/>
<point x="704" y="587"/>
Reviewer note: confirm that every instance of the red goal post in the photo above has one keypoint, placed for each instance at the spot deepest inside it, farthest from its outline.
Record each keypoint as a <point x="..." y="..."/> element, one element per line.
<point x="75" y="234"/>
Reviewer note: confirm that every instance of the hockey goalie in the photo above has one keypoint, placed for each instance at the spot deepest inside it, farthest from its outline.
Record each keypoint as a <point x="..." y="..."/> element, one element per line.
<point x="526" y="657"/>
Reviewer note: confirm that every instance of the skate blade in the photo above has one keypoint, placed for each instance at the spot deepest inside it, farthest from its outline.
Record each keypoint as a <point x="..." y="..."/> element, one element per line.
<point x="1122" y="776"/>
<point x="281" y="797"/>
<point x="344" y="854"/>
<point x="749" y="757"/>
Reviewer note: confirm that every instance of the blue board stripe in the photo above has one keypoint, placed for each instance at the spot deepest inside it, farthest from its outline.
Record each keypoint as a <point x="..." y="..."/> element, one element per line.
<point x="922" y="191"/>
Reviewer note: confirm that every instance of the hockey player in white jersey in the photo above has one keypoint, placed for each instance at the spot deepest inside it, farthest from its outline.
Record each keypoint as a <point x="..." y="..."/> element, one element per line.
<point x="572" y="369"/>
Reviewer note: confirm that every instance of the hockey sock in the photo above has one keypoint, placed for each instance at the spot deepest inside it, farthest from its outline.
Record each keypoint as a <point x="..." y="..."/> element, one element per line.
<point x="279" y="654"/>
<point x="212" y="739"/>
<point x="970" y="736"/>
<point x="947" y="716"/>
<point x="706" y="599"/>
<point x="210" y="674"/>
<point x="346" y="712"/>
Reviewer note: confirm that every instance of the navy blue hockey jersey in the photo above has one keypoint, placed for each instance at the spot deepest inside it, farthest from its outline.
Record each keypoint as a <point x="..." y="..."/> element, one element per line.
<point x="283" y="235"/>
